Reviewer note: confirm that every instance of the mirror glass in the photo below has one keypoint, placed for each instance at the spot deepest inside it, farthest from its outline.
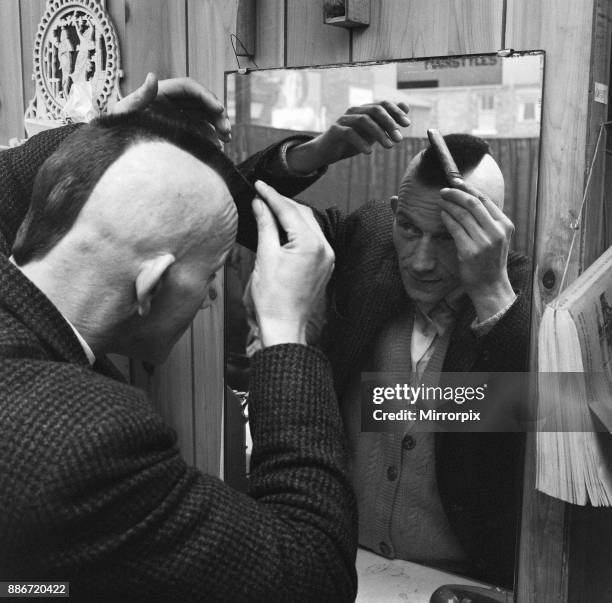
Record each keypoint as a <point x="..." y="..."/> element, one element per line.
<point x="448" y="503"/>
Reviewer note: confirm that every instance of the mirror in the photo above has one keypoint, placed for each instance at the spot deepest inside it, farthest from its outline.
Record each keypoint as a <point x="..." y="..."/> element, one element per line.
<point x="448" y="501"/>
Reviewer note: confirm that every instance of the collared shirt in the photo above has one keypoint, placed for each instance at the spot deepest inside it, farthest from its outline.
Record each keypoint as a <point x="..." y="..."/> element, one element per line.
<point x="430" y="323"/>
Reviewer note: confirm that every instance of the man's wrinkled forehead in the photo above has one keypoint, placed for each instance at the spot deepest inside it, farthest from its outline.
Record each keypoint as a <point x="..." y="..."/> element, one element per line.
<point x="486" y="177"/>
<point x="417" y="203"/>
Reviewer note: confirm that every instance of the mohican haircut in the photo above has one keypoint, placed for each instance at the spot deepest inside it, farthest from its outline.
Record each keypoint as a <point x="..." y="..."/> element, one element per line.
<point x="67" y="178"/>
<point x="467" y="151"/>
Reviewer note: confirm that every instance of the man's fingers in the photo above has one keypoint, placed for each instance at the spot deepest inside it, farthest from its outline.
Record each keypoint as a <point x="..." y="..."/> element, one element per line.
<point x="184" y="87"/>
<point x="379" y="114"/>
<point x="463" y="241"/>
<point x="465" y="220"/>
<point x="267" y="232"/>
<point x="285" y="210"/>
<point x="469" y="203"/>
<point x="462" y="185"/>
<point x="140" y="98"/>
<point x="199" y="103"/>
<point x="364" y="126"/>
<point x="490" y="217"/>
<point x="194" y="98"/>
<point x="399" y="112"/>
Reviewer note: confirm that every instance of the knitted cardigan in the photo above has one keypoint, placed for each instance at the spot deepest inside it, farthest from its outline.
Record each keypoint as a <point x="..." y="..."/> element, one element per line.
<point x="93" y="489"/>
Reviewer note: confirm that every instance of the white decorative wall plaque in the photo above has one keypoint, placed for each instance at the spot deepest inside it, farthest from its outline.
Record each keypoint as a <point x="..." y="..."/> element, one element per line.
<point x="76" y="64"/>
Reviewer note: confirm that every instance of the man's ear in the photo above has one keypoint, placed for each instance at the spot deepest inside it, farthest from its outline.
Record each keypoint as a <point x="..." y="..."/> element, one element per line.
<point x="393" y="201"/>
<point x="149" y="280"/>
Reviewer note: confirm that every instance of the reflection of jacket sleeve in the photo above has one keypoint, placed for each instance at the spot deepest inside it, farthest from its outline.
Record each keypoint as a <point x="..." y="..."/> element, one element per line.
<point x="265" y="165"/>
<point x="505" y="348"/>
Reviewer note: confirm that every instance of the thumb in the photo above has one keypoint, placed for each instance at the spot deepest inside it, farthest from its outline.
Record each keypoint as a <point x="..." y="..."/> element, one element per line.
<point x="141" y="98"/>
<point x="267" y="231"/>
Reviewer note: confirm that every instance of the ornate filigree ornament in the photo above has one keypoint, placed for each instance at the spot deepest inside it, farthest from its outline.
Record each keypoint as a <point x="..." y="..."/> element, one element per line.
<point x="76" y="44"/>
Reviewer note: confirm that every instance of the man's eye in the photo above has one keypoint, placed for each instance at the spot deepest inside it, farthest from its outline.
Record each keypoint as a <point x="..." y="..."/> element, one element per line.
<point x="444" y="236"/>
<point x="409" y="229"/>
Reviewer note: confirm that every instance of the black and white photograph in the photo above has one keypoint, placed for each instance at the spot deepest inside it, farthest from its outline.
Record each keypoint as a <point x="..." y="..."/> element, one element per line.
<point x="306" y="300"/>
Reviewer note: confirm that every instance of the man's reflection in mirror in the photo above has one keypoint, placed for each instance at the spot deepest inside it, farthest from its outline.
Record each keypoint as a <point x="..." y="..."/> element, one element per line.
<point x="425" y="283"/>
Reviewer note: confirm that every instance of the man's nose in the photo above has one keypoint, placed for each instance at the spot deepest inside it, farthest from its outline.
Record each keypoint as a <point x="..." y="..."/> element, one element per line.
<point x="424" y="257"/>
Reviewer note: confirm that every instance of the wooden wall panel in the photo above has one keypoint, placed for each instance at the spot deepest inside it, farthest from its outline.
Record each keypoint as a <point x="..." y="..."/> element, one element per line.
<point x="563" y="29"/>
<point x="11" y="87"/>
<point x="421" y="28"/>
<point x="270" y="41"/>
<point x="209" y="384"/>
<point x="154" y="40"/>
<point x="594" y="215"/>
<point x="210" y="50"/>
<point x="31" y="14"/>
<point x="590" y="530"/>
<point x="309" y="40"/>
<point x="171" y="390"/>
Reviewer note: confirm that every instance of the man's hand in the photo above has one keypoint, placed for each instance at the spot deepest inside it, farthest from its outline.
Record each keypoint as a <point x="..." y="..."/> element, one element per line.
<point x="357" y="131"/>
<point x="287" y="279"/>
<point x="184" y="94"/>
<point x="482" y="234"/>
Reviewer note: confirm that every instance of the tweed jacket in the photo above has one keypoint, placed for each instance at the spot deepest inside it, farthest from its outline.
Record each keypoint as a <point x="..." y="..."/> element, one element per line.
<point x="93" y="489"/>
<point x="478" y="474"/>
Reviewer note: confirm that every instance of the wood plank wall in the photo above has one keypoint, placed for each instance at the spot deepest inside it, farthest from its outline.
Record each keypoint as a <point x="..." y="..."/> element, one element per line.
<point x="191" y="37"/>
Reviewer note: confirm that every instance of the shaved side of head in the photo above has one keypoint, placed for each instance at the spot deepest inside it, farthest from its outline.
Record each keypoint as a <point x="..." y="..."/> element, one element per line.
<point x="143" y="204"/>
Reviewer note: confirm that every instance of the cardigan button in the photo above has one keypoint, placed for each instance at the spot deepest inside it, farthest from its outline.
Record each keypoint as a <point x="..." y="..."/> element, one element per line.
<point x="408" y="443"/>
<point x="392" y="473"/>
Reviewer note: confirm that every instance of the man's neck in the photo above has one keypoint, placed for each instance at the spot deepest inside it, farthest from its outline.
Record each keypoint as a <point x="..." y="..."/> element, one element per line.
<point x="81" y="309"/>
<point x="450" y="300"/>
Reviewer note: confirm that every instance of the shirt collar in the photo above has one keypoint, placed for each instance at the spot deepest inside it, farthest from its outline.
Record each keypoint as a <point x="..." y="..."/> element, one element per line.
<point x="86" y="349"/>
<point x="443" y="313"/>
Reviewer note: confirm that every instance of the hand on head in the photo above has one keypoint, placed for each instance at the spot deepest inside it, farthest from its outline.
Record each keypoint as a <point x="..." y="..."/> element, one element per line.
<point x="357" y="131"/>
<point x="202" y="107"/>
<point x="288" y="279"/>
<point x="482" y="234"/>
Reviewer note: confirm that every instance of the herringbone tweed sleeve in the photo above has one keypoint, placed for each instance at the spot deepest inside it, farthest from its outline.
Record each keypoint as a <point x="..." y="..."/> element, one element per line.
<point x="93" y="490"/>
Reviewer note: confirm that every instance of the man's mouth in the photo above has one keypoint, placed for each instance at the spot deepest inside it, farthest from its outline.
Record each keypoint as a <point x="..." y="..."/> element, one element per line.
<point x="425" y="280"/>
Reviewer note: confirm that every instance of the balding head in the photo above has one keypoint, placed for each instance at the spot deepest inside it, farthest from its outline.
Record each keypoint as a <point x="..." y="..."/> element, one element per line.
<point x="426" y="252"/>
<point x="473" y="159"/>
<point x="134" y="257"/>
<point x="156" y="198"/>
